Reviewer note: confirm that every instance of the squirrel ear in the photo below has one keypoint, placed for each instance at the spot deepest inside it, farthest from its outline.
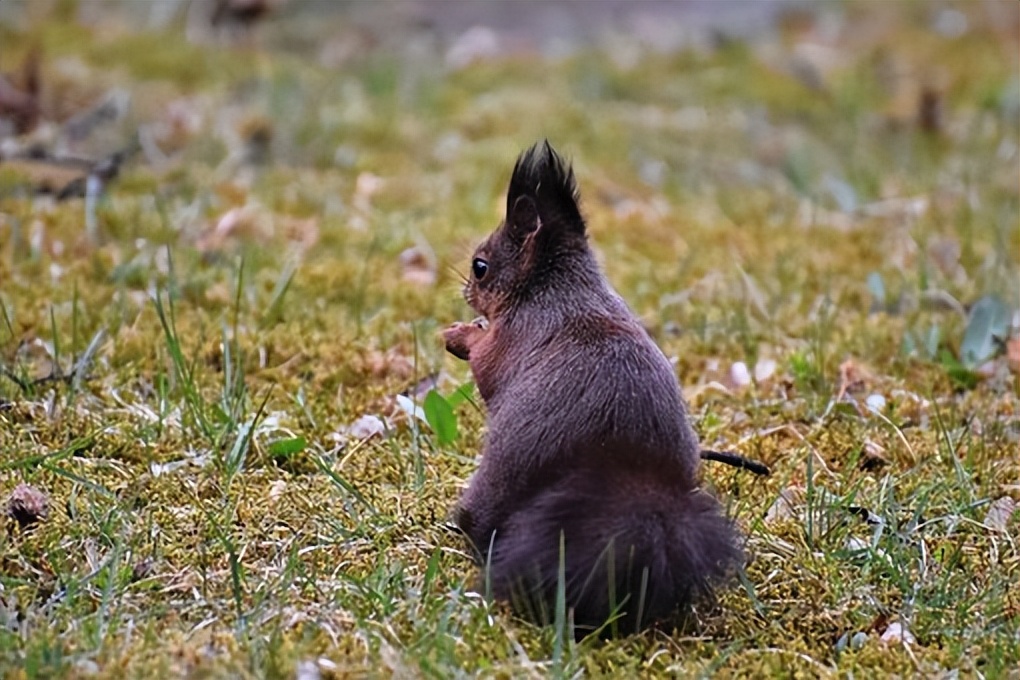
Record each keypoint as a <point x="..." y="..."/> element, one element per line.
<point x="524" y="219"/>
<point x="542" y="195"/>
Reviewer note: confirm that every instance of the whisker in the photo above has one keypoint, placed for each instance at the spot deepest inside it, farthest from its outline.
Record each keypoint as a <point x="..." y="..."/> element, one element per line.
<point x="458" y="273"/>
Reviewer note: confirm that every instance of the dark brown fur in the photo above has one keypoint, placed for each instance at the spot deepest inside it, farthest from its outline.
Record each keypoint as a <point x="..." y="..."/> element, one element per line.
<point x="588" y="439"/>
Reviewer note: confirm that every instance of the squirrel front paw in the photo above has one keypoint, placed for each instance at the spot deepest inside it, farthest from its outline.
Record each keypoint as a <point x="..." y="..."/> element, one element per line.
<point x="461" y="336"/>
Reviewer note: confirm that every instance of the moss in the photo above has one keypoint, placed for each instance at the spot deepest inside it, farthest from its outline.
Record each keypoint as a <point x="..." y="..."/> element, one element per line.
<point x="179" y="543"/>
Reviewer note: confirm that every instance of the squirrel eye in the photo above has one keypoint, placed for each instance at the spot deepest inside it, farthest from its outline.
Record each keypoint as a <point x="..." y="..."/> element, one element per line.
<point x="479" y="267"/>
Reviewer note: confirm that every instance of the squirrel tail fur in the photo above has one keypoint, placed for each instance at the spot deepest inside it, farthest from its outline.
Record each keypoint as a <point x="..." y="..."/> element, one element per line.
<point x="632" y="552"/>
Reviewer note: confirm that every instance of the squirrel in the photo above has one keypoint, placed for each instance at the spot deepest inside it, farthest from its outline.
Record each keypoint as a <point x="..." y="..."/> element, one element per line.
<point x="589" y="465"/>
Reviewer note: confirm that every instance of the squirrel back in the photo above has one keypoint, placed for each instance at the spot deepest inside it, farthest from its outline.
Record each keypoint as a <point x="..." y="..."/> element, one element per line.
<point x="588" y="438"/>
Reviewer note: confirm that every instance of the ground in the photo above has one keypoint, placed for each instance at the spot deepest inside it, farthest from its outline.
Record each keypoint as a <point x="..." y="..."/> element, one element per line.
<point x="216" y="364"/>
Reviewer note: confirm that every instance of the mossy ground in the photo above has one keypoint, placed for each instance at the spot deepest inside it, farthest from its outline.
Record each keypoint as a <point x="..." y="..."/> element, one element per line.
<point x="739" y="196"/>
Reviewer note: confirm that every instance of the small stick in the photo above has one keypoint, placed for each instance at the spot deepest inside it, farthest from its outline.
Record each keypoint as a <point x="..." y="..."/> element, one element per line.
<point x="737" y="461"/>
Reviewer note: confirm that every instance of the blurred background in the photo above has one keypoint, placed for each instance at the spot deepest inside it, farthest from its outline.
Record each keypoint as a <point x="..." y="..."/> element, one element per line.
<point x="705" y="133"/>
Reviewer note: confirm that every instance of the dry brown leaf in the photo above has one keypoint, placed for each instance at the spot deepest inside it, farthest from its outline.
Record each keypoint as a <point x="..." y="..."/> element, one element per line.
<point x="366" y="186"/>
<point x="366" y="426"/>
<point x="897" y="209"/>
<point x="389" y="364"/>
<point x="27" y="505"/>
<point x="897" y="633"/>
<point x="418" y="266"/>
<point x="785" y="506"/>
<point x="810" y="214"/>
<point x="1000" y="513"/>
<point x="872" y="456"/>
<point x="181" y="121"/>
<point x="424" y="386"/>
<point x="691" y="394"/>
<point x="945" y="252"/>
<point x="143" y="568"/>
<point x="45" y="177"/>
<point x="39" y="356"/>
<point x="19" y="98"/>
<point x="256" y="134"/>
<point x="303" y="232"/>
<point x="853" y="378"/>
<point x="276" y="490"/>
<point x="246" y="224"/>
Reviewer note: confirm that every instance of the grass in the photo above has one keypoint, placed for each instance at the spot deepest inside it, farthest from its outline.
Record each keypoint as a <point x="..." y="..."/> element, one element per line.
<point x="187" y="387"/>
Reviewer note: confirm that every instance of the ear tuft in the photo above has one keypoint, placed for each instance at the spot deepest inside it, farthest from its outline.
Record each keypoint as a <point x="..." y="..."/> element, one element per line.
<point x="548" y="181"/>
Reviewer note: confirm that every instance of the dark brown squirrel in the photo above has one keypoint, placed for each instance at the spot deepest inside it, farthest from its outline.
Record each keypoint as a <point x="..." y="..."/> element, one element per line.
<point x="588" y="437"/>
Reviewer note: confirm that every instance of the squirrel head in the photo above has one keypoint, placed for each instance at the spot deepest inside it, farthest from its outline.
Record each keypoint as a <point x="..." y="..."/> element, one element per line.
<point x="540" y="241"/>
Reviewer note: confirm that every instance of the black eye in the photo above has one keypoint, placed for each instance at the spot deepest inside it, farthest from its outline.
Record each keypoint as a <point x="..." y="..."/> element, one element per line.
<point x="479" y="267"/>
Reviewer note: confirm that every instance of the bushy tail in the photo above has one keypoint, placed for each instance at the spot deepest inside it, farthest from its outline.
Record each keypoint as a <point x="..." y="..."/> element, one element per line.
<point x="633" y="552"/>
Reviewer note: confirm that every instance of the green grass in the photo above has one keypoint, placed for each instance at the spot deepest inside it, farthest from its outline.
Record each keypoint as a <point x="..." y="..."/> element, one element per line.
<point x="185" y="397"/>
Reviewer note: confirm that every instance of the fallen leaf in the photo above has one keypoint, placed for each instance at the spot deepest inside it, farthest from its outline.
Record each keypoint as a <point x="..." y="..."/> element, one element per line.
<point x="898" y="633"/>
<point x="764" y="369"/>
<point x="855" y="544"/>
<point x="691" y="394"/>
<point x="366" y="186"/>
<point x="881" y="621"/>
<point x="307" y="670"/>
<point x="785" y="505"/>
<point x="936" y="300"/>
<point x="39" y="356"/>
<point x="366" y="426"/>
<point x="876" y="402"/>
<point x="247" y="223"/>
<point x="905" y="209"/>
<point x="181" y="121"/>
<point x="411" y="408"/>
<point x="853" y="378"/>
<point x="19" y="101"/>
<point x="991" y="368"/>
<point x="389" y="364"/>
<point x="739" y="376"/>
<point x="418" y="266"/>
<point x="27" y="505"/>
<point x="143" y="568"/>
<point x="256" y="135"/>
<point x="276" y="490"/>
<point x="303" y="232"/>
<point x="999" y="514"/>
<point x="44" y="175"/>
<point x="424" y="386"/>
<point x="945" y="252"/>
<point x="872" y="456"/>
